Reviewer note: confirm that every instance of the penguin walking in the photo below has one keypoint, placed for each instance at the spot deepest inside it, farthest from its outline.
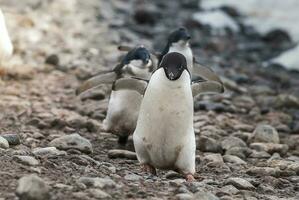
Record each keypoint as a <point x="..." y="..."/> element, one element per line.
<point x="6" y="47"/>
<point x="164" y="136"/>
<point x="124" y="103"/>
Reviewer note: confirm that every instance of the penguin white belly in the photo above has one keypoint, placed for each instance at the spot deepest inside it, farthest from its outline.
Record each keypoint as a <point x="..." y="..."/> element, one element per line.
<point x="122" y="113"/>
<point x="187" y="52"/>
<point x="6" y="47"/>
<point x="164" y="136"/>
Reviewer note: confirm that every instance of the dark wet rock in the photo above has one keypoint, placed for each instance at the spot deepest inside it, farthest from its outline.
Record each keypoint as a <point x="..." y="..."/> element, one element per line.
<point x="32" y="187"/>
<point x="73" y="141"/>
<point x="207" y="144"/>
<point x="231" y="11"/>
<point x="52" y="59"/>
<point x="146" y="15"/>
<point x="278" y="38"/>
<point x="119" y="153"/>
<point x="12" y="139"/>
<point x="265" y="133"/>
<point x="207" y="105"/>
<point x="240" y="183"/>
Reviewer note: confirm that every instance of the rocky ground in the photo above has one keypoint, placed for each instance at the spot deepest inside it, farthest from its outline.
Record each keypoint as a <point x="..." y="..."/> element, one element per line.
<point x="52" y="145"/>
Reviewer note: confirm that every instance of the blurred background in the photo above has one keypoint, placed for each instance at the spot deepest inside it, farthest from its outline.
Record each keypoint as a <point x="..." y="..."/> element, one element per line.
<point x="251" y="44"/>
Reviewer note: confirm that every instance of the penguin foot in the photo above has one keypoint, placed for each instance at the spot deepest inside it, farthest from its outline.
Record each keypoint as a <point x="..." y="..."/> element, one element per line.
<point x="189" y="178"/>
<point x="148" y="168"/>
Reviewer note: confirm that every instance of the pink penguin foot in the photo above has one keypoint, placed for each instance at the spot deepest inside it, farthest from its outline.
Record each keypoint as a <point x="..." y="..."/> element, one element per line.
<point x="148" y="168"/>
<point x="189" y="178"/>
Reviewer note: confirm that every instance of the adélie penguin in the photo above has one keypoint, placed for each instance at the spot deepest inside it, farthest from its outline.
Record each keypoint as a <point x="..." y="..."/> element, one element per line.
<point x="164" y="136"/>
<point x="124" y="103"/>
<point x="6" y="47"/>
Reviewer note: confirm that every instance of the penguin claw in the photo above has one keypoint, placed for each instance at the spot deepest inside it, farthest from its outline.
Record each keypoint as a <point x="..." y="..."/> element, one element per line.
<point x="189" y="178"/>
<point x="148" y="168"/>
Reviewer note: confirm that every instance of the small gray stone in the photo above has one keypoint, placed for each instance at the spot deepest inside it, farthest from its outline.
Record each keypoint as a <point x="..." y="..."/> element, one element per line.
<point x="3" y="143"/>
<point x="204" y="195"/>
<point x="244" y="127"/>
<point x="119" y="153"/>
<point x="97" y="182"/>
<point x="32" y="187"/>
<point x="132" y="177"/>
<point x="227" y="190"/>
<point x="241" y="152"/>
<point x="233" y="159"/>
<point x="27" y="160"/>
<point x="265" y="134"/>
<point x="263" y="171"/>
<point x="259" y="154"/>
<point x="215" y="159"/>
<point x="232" y="142"/>
<point x="207" y="144"/>
<point x="48" y="151"/>
<point x="73" y="141"/>
<point x="240" y="183"/>
<point x="183" y="196"/>
<point x="271" y="148"/>
<point x="99" y="194"/>
<point x="12" y="139"/>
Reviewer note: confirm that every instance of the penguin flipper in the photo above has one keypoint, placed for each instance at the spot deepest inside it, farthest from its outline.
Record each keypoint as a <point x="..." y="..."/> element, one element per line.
<point x="130" y="84"/>
<point x="205" y="72"/>
<point x="206" y="87"/>
<point x="107" y="78"/>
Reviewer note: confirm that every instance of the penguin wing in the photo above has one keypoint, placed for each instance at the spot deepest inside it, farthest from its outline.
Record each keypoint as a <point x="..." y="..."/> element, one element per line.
<point x="130" y="84"/>
<point x="206" y="87"/>
<point x="205" y="72"/>
<point x="106" y="78"/>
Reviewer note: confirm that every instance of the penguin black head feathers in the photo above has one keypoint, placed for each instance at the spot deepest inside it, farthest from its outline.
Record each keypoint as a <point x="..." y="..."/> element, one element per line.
<point x="139" y="53"/>
<point x="173" y="64"/>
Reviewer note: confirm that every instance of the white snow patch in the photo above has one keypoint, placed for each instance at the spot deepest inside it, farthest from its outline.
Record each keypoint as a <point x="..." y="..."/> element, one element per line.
<point x="217" y="19"/>
<point x="288" y="59"/>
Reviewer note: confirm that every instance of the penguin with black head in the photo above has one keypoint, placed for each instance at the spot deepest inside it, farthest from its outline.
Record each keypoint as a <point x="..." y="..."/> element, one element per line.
<point x="124" y="102"/>
<point x="164" y="136"/>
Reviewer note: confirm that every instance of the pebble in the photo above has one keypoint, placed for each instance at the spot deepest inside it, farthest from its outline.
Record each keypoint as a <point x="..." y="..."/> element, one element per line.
<point x="3" y="143"/>
<point x="265" y="134"/>
<point x="132" y="177"/>
<point x="12" y="139"/>
<point x="232" y="142"/>
<point x="241" y="152"/>
<point x="207" y="144"/>
<point x="259" y="154"/>
<point x="98" y="194"/>
<point x="227" y="190"/>
<point x="27" y="160"/>
<point x="263" y="171"/>
<point x="183" y="196"/>
<point x="204" y="195"/>
<point x="32" y="187"/>
<point x="97" y="182"/>
<point x="233" y="159"/>
<point x="48" y="151"/>
<point x="119" y="153"/>
<point x="52" y="59"/>
<point x="270" y="147"/>
<point x="244" y="127"/>
<point x="73" y="141"/>
<point x="240" y="183"/>
<point x="213" y="159"/>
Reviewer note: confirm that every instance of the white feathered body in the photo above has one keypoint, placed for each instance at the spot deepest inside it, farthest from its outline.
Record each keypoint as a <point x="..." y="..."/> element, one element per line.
<point x="6" y="47"/>
<point x="164" y="135"/>
<point x="123" y="107"/>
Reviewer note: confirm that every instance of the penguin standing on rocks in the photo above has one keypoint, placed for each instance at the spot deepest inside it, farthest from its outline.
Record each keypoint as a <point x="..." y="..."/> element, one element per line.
<point x="164" y="136"/>
<point x="6" y="47"/>
<point x="124" y="103"/>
